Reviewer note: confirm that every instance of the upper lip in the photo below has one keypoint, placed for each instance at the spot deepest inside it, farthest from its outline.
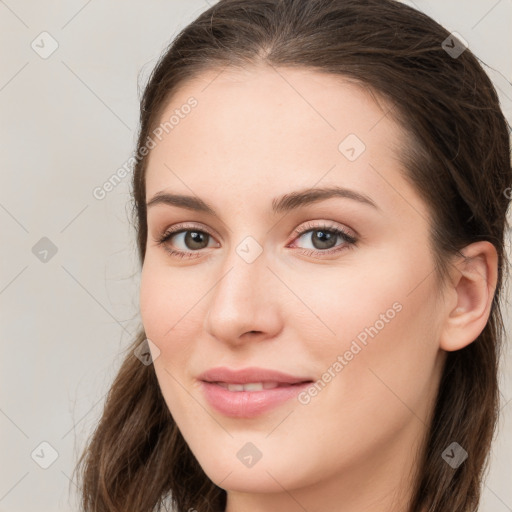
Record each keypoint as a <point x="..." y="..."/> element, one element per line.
<point x="249" y="375"/>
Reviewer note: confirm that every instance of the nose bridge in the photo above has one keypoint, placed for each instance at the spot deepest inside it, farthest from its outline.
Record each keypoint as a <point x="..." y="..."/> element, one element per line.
<point x="241" y="274"/>
<point x="244" y="265"/>
<point x="240" y="300"/>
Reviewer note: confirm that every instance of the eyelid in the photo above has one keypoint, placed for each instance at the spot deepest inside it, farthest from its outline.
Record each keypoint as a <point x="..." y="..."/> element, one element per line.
<point x="323" y="224"/>
<point x="187" y="226"/>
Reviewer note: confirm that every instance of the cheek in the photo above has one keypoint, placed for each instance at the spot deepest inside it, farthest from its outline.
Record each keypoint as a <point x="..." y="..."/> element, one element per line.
<point x="390" y="378"/>
<point x="170" y="313"/>
<point x="153" y="300"/>
<point x="376" y="298"/>
<point x="382" y="332"/>
<point x="167" y="318"/>
<point x="160" y="307"/>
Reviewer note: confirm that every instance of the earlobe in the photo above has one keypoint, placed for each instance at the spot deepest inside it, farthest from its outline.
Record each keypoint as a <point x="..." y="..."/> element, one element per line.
<point x="474" y="279"/>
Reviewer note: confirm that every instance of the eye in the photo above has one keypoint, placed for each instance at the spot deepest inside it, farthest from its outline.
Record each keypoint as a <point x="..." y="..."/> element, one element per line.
<point x="323" y="238"/>
<point x="192" y="238"/>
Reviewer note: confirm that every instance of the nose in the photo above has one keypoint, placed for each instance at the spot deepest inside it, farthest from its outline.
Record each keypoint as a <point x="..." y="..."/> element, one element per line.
<point x="244" y="302"/>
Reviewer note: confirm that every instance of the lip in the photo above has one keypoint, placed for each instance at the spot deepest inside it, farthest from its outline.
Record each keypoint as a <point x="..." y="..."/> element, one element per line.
<point x="249" y="404"/>
<point x="247" y="375"/>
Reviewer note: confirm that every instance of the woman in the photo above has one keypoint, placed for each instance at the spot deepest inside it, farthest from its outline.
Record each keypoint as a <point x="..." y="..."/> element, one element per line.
<point x="320" y="201"/>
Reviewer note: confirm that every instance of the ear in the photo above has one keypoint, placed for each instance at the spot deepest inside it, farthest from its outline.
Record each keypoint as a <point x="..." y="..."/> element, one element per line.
<point x="472" y="285"/>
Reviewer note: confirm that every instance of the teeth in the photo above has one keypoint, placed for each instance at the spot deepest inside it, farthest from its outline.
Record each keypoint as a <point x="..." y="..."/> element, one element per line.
<point x="235" y="387"/>
<point x="251" y="386"/>
<point x="256" y="386"/>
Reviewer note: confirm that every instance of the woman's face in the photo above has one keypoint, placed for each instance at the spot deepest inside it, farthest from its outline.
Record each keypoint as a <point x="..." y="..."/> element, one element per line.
<point x="263" y="280"/>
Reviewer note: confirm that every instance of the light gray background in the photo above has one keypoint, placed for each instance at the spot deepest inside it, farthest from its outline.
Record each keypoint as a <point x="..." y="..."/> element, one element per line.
<point x="68" y="123"/>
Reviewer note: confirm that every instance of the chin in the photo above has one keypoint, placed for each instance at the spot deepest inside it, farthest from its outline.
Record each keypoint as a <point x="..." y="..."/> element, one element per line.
<point x="248" y="481"/>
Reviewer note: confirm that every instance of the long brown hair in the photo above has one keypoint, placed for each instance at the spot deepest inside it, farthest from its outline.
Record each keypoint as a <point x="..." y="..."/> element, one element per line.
<point x="457" y="158"/>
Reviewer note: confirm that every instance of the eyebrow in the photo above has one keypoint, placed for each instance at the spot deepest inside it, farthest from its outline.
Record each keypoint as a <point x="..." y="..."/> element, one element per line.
<point x="285" y="203"/>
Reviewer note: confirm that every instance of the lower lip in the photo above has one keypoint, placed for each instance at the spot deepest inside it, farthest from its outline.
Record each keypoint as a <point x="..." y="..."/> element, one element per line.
<point x="248" y="404"/>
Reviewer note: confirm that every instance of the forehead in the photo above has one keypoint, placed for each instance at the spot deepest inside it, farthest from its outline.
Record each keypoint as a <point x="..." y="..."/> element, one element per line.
<point x="263" y="100"/>
<point x="262" y="127"/>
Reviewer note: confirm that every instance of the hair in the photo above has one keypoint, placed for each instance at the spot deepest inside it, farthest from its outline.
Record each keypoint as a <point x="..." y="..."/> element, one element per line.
<point x="457" y="158"/>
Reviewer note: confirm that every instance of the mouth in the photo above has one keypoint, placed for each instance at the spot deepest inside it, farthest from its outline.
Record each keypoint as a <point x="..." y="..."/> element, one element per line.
<point x="249" y="392"/>
<point x="255" y="386"/>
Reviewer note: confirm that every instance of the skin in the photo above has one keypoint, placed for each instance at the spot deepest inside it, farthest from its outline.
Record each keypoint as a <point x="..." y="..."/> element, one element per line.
<point x="257" y="134"/>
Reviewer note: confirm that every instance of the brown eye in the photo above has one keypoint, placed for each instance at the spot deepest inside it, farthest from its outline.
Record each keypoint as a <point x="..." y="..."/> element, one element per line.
<point x="323" y="239"/>
<point x="189" y="239"/>
<point x="193" y="240"/>
<point x="184" y="241"/>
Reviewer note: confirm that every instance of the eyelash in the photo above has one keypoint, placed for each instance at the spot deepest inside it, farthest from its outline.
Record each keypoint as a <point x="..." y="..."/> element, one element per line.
<point x="337" y="231"/>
